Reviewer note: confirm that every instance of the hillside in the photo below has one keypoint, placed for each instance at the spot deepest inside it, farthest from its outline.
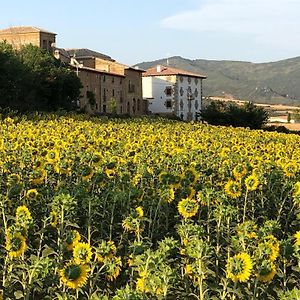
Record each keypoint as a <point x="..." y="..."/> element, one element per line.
<point x="274" y="82"/>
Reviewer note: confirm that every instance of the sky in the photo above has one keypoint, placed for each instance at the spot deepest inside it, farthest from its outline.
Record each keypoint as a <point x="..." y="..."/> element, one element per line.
<point x="134" y="31"/>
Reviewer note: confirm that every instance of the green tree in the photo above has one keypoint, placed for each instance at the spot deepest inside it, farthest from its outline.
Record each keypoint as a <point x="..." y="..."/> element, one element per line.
<point x="248" y="115"/>
<point x="32" y="79"/>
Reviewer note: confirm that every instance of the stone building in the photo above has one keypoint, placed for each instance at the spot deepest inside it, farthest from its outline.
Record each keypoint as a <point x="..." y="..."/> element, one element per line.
<point x="18" y="36"/>
<point x="127" y="93"/>
<point x="171" y="91"/>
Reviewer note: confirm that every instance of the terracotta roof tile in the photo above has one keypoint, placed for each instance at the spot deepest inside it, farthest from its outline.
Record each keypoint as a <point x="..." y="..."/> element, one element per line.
<point x="23" y="29"/>
<point x="167" y="71"/>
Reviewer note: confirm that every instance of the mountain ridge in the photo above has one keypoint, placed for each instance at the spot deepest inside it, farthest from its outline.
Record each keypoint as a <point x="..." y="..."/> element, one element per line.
<point x="268" y="82"/>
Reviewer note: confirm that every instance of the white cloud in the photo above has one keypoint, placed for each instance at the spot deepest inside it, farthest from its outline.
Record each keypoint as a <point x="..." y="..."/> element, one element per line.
<point x="266" y="21"/>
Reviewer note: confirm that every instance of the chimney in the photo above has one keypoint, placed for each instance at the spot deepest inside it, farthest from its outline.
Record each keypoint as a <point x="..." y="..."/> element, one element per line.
<point x="158" y="68"/>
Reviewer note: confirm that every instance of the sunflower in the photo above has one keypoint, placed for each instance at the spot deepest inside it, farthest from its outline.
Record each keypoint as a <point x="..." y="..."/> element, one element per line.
<point x="53" y="218"/>
<point x="251" y="182"/>
<point x="52" y="156"/>
<point x="267" y="271"/>
<point x="113" y="267"/>
<point x="188" y="207"/>
<point x="82" y="253"/>
<point x="239" y="267"/>
<point x="32" y="193"/>
<point x="296" y="189"/>
<point x="132" y="224"/>
<point x="297" y="237"/>
<point x="38" y="176"/>
<point x="14" y="178"/>
<point x="105" y="249"/>
<point x="239" y="171"/>
<point x="15" y="244"/>
<point x="290" y="169"/>
<point x="139" y="211"/>
<point x="73" y="237"/>
<point x="74" y="275"/>
<point x="87" y="173"/>
<point x="23" y="216"/>
<point x="233" y="189"/>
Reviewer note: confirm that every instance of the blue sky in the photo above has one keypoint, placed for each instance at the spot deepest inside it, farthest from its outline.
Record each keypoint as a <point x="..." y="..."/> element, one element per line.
<point x="133" y="31"/>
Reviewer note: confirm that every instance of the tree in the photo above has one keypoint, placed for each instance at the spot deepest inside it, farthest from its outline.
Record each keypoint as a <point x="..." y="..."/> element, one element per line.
<point x="32" y="79"/>
<point x="248" y="115"/>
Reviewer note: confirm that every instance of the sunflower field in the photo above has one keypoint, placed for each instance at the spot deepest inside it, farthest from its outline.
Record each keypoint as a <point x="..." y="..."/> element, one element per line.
<point x="96" y="208"/>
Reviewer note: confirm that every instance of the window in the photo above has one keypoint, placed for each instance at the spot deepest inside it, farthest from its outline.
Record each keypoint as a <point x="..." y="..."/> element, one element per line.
<point x="196" y="104"/>
<point x="113" y="79"/>
<point x="131" y="87"/>
<point x="121" y="109"/>
<point x="44" y="45"/>
<point x="181" y="91"/>
<point x="49" y="45"/>
<point x="113" y="92"/>
<point x="139" y="104"/>
<point x="168" y="103"/>
<point x="104" y="108"/>
<point x="168" y="91"/>
<point x="104" y="78"/>
<point x="104" y="95"/>
<point x="196" y="81"/>
<point x="189" y="80"/>
<point x="196" y="92"/>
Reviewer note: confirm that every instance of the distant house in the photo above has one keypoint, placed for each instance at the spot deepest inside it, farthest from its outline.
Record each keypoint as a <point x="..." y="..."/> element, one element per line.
<point x="171" y="91"/>
<point x="18" y="36"/>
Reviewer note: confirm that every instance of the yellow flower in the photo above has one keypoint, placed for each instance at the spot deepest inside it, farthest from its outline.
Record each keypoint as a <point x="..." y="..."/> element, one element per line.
<point x="296" y="189"/>
<point x="32" y="193"/>
<point x="105" y="249"/>
<point x="188" y="207"/>
<point x="82" y="253"/>
<point x="239" y="171"/>
<point x="53" y="218"/>
<point x="290" y="169"/>
<point x="73" y="237"/>
<point x="252" y="182"/>
<point x="23" y="216"/>
<point x="267" y="271"/>
<point x="239" y="267"/>
<point x="15" y="245"/>
<point x="297" y="237"/>
<point x="139" y="211"/>
<point x="113" y="267"/>
<point x="233" y="189"/>
<point x="74" y="275"/>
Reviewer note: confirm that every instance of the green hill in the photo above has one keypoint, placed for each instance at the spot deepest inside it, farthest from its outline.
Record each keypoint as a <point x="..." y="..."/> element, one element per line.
<point x="274" y="82"/>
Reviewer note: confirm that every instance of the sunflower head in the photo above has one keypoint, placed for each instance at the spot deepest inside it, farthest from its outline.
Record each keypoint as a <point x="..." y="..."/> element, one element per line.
<point x="266" y="271"/>
<point x="239" y="267"/>
<point x="15" y="244"/>
<point x="23" y="216"/>
<point x="188" y="208"/>
<point x="82" y="253"/>
<point x="233" y="189"/>
<point x="74" y="275"/>
<point x="72" y="238"/>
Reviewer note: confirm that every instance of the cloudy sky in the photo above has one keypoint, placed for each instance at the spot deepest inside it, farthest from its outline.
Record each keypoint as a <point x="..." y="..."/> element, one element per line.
<point x="133" y="31"/>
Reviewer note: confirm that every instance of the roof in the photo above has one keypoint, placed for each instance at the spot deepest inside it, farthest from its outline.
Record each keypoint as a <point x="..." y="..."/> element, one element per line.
<point x="167" y="71"/>
<point x="23" y="29"/>
<point x="86" y="53"/>
<point x="96" y="71"/>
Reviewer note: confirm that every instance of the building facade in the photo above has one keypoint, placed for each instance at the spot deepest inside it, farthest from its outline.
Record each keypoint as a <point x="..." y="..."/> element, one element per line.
<point x="120" y="83"/>
<point x="171" y="91"/>
<point x="18" y="36"/>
